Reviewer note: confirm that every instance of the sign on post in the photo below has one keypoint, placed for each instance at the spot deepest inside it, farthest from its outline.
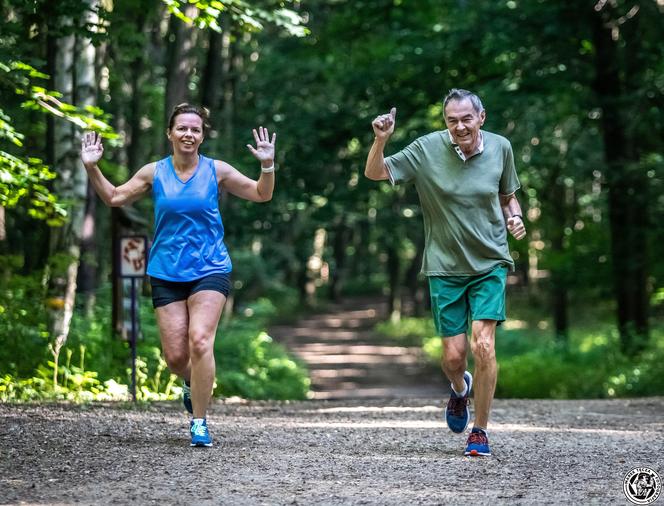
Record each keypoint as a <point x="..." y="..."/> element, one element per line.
<point x="133" y="262"/>
<point x="133" y="256"/>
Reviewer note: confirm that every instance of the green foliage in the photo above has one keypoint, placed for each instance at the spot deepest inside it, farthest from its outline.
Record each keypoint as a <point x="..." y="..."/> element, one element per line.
<point x="412" y="331"/>
<point x="25" y="81"/>
<point x="594" y="369"/>
<point x="366" y="285"/>
<point x="251" y="365"/>
<point x="75" y="383"/>
<point x="599" y="372"/>
<point x="248" y="15"/>
<point x="153" y="380"/>
<point x="552" y="372"/>
<point x="25" y="178"/>
<point x="254" y="277"/>
<point x="536" y="70"/>
<point x="23" y="316"/>
<point x="533" y="365"/>
<point x="95" y="365"/>
<point x="408" y="331"/>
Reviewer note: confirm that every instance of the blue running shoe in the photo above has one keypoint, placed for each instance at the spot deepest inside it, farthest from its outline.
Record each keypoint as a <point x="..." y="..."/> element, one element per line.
<point x="478" y="444"/>
<point x="200" y="436"/>
<point x="457" y="414"/>
<point x="186" y="398"/>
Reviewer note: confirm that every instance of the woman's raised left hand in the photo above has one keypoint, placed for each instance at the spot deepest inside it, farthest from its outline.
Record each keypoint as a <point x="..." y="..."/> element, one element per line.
<point x="264" y="150"/>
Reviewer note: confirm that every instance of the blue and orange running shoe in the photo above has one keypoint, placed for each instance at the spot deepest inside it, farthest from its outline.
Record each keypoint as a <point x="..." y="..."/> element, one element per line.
<point x="478" y="444"/>
<point x="200" y="436"/>
<point x="457" y="414"/>
<point x="186" y="398"/>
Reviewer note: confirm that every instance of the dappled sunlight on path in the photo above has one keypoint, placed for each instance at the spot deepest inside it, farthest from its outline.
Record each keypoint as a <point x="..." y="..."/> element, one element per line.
<point x="347" y="359"/>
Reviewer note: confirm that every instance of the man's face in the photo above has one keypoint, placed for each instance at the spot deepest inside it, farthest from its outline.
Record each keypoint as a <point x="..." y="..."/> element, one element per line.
<point x="464" y="123"/>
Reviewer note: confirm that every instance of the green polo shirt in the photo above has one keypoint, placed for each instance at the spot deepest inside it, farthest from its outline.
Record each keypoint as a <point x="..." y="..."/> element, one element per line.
<point x="464" y="227"/>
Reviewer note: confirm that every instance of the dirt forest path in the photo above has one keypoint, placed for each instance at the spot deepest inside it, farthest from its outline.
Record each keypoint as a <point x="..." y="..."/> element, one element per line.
<point x="355" y="452"/>
<point x="347" y="359"/>
<point x="373" y="435"/>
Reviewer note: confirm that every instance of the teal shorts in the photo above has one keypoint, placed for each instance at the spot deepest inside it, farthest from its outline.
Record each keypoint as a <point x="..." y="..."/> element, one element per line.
<point x="457" y="299"/>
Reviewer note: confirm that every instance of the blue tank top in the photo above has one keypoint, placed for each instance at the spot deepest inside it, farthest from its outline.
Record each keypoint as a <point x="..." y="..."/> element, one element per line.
<point x="188" y="232"/>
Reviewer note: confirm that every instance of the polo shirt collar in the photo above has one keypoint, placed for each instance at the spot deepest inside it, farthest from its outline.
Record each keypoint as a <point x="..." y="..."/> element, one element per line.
<point x="461" y="154"/>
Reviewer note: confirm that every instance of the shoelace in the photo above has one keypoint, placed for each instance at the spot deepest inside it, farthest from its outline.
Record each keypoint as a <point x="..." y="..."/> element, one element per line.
<point x="457" y="405"/>
<point x="478" y="438"/>
<point x="199" y="429"/>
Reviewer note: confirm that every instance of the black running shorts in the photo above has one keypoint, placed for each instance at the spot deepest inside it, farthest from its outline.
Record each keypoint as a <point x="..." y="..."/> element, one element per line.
<point x="164" y="292"/>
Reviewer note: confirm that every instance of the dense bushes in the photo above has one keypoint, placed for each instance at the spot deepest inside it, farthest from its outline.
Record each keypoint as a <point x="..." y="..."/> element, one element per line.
<point x="533" y="365"/>
<point x="251" y="365"/>
<point x="23" y="317"/>
<point x="94" y="365"/>
<point x="588" y="368"/>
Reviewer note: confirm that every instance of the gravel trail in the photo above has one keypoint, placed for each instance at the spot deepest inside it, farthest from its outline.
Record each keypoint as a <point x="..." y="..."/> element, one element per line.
<point x="354" y="451"/>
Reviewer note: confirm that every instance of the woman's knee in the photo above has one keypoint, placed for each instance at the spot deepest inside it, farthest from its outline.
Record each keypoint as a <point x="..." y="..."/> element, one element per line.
<point x="201" y="343"/>
<point x="176" y="360"/>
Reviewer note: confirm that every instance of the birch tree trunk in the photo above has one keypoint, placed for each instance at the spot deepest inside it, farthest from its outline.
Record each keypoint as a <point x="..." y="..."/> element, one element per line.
<point x="85" y="95"/>
<point x="76" y="81"/>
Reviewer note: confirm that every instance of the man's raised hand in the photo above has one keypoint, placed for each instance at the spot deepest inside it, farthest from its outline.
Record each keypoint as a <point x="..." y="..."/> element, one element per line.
<point x="91" y="149"/>
<point x="383" y="125"/>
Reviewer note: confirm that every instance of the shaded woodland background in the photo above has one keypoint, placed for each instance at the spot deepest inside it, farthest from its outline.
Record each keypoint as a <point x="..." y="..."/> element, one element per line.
<point x="576" y="85"/>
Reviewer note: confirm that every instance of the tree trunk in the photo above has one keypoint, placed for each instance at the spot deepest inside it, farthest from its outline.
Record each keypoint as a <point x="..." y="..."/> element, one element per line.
<point x="416" y="289"/>
<point x="217" y="76"/>
<point x="315" y="266"/>
<point x="229" y="66"/>
<point x="85" y="95"/>
<point x="37" y="248"/>
<point x="338" y="275"/>
<point x="71" y="185"/>
<point x="211" y="80"/>
<point x="558" y="283"/>
<point x="117" y="288"/>
<point x="134" y="116"/>
<point x="180" y="64"/>
<point x="87" y="271"/>
<point x="394" y="277"/>
<point x="627" y="211"/>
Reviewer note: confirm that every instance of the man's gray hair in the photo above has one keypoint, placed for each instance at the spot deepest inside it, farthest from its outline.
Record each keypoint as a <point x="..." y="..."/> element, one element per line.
<point x="459" y="94"/>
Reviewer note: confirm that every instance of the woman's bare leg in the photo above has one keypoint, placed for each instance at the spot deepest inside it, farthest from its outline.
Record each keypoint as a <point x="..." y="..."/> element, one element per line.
<point x="204" y="312"/>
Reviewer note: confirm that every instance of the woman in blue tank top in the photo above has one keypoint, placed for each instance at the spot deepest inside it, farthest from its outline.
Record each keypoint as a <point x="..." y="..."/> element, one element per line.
<point x="188" y="265"/>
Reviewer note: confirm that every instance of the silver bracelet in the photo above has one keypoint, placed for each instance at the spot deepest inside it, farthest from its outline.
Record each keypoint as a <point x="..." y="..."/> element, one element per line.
<point x="268" y="170"/>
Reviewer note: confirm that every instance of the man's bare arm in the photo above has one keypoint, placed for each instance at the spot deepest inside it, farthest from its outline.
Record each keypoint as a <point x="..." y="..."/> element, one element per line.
<point x="376" y="168"/>
<point x="383" y="127"/>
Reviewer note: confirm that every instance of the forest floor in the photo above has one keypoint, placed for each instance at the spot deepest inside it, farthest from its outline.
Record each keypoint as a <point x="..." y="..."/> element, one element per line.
<point x="373" y="434"/>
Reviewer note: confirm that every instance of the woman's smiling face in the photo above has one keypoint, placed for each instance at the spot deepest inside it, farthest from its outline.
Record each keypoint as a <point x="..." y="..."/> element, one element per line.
<point x="186" y="135"/>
